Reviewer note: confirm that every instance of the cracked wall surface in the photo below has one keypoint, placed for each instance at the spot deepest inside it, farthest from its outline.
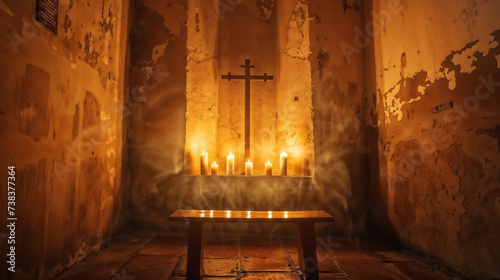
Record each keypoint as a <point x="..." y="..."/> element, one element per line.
<point x="61" y="127"/>
<point x="435" y="96"/>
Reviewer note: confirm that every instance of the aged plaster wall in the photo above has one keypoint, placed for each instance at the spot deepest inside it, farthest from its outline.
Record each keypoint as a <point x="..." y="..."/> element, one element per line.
<point x="435" y="96"/>
<point x="156" y="122"/>
<point x="338" y="98"/>
<point x="202" y="102"/>
<point x="294" y="124"/>
<point x="59" y="127"/>
<point x="307" y="39"/>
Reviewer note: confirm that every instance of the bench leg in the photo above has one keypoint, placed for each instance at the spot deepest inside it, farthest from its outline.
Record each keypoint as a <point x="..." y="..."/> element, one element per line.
<point x="194" y="268"/>
<point x="308" y="262"/>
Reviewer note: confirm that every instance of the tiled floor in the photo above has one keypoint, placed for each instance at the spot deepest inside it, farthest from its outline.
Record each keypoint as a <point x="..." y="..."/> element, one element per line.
<point x="144" y="255"/>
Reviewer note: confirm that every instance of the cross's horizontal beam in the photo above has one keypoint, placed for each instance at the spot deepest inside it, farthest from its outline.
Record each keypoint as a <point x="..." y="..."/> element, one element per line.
<point x="230" y="77"/>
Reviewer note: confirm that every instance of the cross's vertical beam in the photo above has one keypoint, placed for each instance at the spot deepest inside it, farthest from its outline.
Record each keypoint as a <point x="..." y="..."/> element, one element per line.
<point x="247" y="67"/>
<point x="247" y="77"/>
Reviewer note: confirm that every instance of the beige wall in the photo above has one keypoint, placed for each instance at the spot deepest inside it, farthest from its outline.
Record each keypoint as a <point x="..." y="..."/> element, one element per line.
<point x="59" y="127"/>
<point x="431" y="68"/>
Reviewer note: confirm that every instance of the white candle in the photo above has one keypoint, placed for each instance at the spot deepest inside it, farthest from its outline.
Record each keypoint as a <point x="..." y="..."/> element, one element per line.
<point x="269" y="168"/>
<point x="230" y="164"/>
<point x="248" y="168"/>
<point x="214" y="168"/>
<point x="204" y="163"/>
<point x="283" y="163"/>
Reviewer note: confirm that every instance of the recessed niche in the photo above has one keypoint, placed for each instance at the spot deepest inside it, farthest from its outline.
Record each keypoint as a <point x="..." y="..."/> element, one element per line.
<point x="280" y="114"/>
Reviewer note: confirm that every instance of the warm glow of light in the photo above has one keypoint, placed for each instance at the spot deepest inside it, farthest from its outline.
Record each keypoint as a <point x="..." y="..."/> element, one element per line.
<point x="269" y="168"/>
<point x="249" y="214"/>
<point x="211" y="213"/>
<point x="286" y="214"/>
<point x="283" y="154"/>
<point x="270" y="214"/>
<point x="248" y="168"/>
<point x="230" y="164"/>
<point x="214" y="168"/>
<point x="228" y="214"/>
<point x="203" y="153"/>
<point x="202" y="214"/>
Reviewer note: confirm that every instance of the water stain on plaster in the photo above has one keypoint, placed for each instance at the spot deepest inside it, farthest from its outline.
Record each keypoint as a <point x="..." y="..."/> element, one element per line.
<point x="349" y="4"/>
<point x="265" y="8"/>
<point x="144" y="41"/>
<point x="492" y="132"/>
<point x="32" y="192"/>
<point x="34" y="94"/>
<point x="481" y="195"/>
<point x="91" y="111"/>
<point x="76" y="122"/>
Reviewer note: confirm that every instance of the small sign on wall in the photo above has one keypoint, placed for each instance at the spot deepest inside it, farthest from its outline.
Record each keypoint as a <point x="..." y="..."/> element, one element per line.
<point x="46" y="13"/>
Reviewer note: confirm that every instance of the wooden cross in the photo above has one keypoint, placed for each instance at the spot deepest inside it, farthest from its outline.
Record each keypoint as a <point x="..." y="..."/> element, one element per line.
<point x="247" y="77"/>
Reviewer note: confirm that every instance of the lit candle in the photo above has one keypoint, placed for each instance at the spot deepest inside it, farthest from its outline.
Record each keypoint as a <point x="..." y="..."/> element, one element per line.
<point x="249" y="214"/>
<point x="269" y="168"/>
<point x="214" y="168"/>
<point x="211" y="213"/>
<point x="248" y="168"/>
<point x="286" y="214"/>
<point x="204" y="163"/>
<point x="230" y="164"/>
<point x="283" y="163"/>
<point x="270" y="214"/>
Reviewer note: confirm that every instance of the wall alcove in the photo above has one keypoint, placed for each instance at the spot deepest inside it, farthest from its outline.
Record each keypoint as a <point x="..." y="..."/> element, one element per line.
<point x="220" y="39"/>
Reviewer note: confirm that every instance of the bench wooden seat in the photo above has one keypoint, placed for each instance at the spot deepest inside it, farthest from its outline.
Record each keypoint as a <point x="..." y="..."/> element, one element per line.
<point x="305" y="230"/>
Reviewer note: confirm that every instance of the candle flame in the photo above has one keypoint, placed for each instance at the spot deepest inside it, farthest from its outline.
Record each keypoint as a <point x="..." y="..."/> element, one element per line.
<point x="249" y="214"/>
<point x="286" y="214"/>
<point x="211" y="213"/>
<point x="270" y="214"/>
<point x="283" y="153"/>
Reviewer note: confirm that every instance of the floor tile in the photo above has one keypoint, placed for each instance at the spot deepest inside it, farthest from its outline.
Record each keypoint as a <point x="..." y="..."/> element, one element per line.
<point x="368" y="270"/>
<point x="417" y="271"/>
<point x="261" y="264"/>
<point x="219" y="267"/>
<point x="271" y="276"/>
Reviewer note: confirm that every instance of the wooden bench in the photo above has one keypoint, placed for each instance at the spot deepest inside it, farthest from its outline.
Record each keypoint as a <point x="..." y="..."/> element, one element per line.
<point x="305" y="230"/>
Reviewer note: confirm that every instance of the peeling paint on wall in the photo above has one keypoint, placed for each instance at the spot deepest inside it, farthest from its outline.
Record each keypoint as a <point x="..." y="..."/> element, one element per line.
<point x="298" y="29"/>
<point x="438" y="130"/>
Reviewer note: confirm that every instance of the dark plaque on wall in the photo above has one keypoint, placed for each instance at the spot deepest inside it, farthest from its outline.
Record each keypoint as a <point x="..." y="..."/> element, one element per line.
<point x="46" y="14"/>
